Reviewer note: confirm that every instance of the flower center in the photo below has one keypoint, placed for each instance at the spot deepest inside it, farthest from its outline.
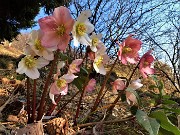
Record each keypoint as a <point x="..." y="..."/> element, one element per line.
<point x="38" y="45"/>
<point x="81" y="29"/>
<point x="99" y="61"/>
<point x="95" y="41"/>
<point x="29" y="61"/>
<point x="61" y="83"/>
<point x="145" y="64"/>
<point x="126" y="50"/>
<point x="61" y="30"/>
<point x="73" y="66"/>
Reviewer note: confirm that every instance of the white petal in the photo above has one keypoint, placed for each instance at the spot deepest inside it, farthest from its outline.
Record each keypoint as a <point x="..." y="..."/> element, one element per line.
<point x="93" y="48"/>
<point x="84" y="40"/>
<point x="76" y="42"/>
<point x="52" y="98"/>
<point x="32" y="73"/>
<point x="41" y="62"/>
<point x="60" y="64"/>
<point x="48" y="55"/>
<point x="89" y="26"/>
<point x="84" y="15"/>
<point x="21" y="67"/>
<point x="69" y="77"/>
<point x="96" y="68"/>
<point x="136" y="84"/>
<point x="102" y="70"/>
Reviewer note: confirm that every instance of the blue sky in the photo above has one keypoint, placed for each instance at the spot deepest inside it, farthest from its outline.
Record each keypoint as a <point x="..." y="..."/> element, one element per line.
<point x="40" y="15"/>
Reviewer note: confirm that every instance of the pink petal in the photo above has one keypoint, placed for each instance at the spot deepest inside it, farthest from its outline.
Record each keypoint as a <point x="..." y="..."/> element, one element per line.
<point x="62" y="15"/>
<point x="52" y="98"/>
<point x="64" y="91"/>
<point x="69" y="77"/>
<point x="130" y="96"/>
<point x="91" y="85"/>
<point x="47" y="24"/>
<point x="63" y="42"/>
<point x="50" y="39"/>
<point x="54" y="90"/>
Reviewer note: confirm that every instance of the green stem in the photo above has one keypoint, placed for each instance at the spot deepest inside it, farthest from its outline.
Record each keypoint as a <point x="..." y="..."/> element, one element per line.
<point x="42" y="102"/>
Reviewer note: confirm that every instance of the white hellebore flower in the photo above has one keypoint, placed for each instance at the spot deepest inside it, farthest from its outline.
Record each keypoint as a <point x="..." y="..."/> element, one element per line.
<point x="82" y="27"/>
<point x="101" y="58"/>
<point x="95" y="42"/>
<point x="30" y="65"/>
<point x="37" y="48"/>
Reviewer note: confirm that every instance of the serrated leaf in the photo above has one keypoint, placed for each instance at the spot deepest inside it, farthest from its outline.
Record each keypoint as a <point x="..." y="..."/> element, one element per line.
<point x="169" y="102"/>
<point x="150" y="124"/>
<point x="165" y="122"/>
<point x="83" y="70"/>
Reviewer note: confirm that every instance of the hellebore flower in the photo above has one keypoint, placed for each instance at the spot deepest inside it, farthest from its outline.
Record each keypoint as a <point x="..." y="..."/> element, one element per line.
<point x="91" y="85"/>
<point x="118" y="84"/>
<point x="30" y="65"/>
<point x="60" y="86"/>
<point x="37" y="48"/>
<point x="56" y="28"/>
<point x="145" y="64"/>
<point x="82" y="27"/>
<point x="130" y="97"/>
<point x="128" y="51"/>
<point x="95" y="41"/>
<point x="73" y="67"/>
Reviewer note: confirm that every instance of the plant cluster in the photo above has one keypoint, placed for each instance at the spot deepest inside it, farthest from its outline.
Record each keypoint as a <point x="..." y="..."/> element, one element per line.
<point x="59" y="30"/>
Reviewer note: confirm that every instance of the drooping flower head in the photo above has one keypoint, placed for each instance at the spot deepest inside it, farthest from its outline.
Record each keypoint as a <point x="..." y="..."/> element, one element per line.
<point x="118" y="84"/>
<point x="30" y="65"/>
<point x="145" y="64"/>
<point x="82" y="27"/>
<point x="101" y="58"/>
<point x="60" y="86"/>
<point x="56" y="28"/>
<point x="128" y="51"/>
<point x="34" y="43"/>
<point x="73" y="67"/>
<point x="91" y="85"/>
<point x="130" y="97"/>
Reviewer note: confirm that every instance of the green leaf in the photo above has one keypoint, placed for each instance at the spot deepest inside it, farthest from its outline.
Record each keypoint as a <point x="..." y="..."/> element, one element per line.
<point x="79" y="82"/>
<point x="165" y="122"/>
<point x="123" y="97"/>
<point x="151" y="87"/>
<point x="169" y="102"/>
<point x="150" y="124"/>
<point x="63" y="56"/>
<point x="83" y="70"/>
<point x="134" y="109"/>
<point x="164" y="132"/>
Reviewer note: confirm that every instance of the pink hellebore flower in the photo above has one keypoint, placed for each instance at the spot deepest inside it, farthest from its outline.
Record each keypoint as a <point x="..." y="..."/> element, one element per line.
<point x="56" y="28"/>
<point x="60" y="86"/>
<point x="91" y="85"/>
<point x="130" y="97"/>
<point x="73" y="67"/>
<point x="118" y="84"/>
<point x="128" y="51"/>
<point x="145" y="64"/>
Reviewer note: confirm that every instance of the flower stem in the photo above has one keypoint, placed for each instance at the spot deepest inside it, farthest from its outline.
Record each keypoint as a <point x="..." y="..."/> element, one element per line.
<point x="28" y="100"/>
<point x="42" y="102"/>
<point x="52" y="107"/>
<point x="120" y="93"/>
<point x="66" y="103"/>
<point x="34" y="101"/>
<point x="102" y="88"/>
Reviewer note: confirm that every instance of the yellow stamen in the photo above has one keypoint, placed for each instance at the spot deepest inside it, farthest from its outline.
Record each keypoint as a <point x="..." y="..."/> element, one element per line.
<point x="99" y="61"/>
<point x="95" y="41"/>
<point x="81" y="29"/>
<point x="61" y="83"/>
<point x="29" y="61"/>
<point x="73" y="66"/>
<point x="61" y="30"/>
<point x="38" y="45"/>
<point x="146" y="64"/>
<point x="126" y="50"/>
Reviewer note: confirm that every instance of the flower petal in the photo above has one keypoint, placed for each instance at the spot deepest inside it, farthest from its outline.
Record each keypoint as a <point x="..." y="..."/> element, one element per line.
<point x="32" y="73"/>
<point x="41" y="62"/>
